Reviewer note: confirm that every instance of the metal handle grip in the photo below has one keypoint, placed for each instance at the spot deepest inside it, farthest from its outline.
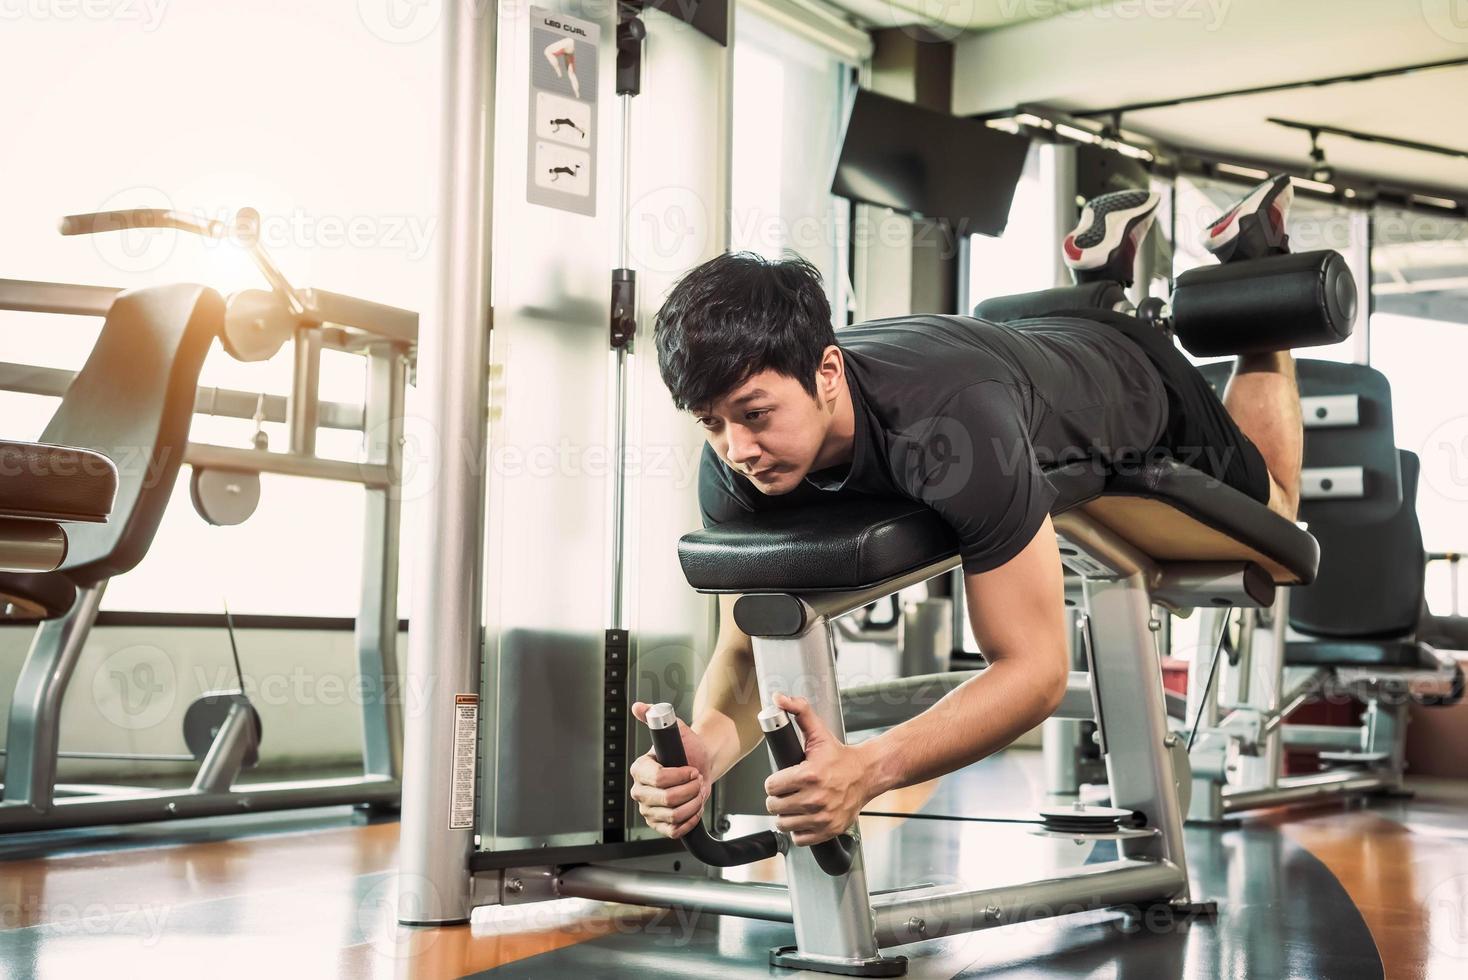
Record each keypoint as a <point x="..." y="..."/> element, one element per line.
<point x="103" y="221"/>
<point x="835" y="855"/>
<point x="667" y="744"/>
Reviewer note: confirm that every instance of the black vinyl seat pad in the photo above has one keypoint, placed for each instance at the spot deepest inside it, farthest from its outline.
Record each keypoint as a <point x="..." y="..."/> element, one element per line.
<point x="858" y="543"/>
<point x="55" y="483"/>
<point x="1357" y="653"/>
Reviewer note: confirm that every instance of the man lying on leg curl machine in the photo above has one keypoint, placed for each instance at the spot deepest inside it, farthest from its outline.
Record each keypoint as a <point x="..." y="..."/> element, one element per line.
<point x="961" y="415"/>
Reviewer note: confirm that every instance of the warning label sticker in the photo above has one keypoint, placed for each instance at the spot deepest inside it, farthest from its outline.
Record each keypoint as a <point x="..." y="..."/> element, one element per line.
<point x="466" y="751"/>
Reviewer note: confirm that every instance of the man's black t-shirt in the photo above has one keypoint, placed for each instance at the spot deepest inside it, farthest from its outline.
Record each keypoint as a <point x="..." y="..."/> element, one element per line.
<point x="963" y="415"/>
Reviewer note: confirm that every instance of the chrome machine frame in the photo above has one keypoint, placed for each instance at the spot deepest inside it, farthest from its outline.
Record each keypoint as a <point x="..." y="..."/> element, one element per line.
<point x="387" y="336"/>
<point x="1238" y="759"/>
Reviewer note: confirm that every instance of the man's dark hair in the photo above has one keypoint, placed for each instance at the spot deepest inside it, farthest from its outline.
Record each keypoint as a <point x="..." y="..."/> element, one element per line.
<point x="737" y="315"/>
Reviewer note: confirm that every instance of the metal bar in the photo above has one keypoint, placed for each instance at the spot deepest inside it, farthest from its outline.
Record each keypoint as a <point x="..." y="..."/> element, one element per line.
<point x="203" y="454"/>
<point x="748" y="900"/>
<point x="1358" y="257"/>
<point x="833" y="604"/>
<point x="123" y="757"/>
<point x="1202" y="714"/>
<point x="445" y="644"/>
<point x="1344" y="738"/>
<point x="84" y="811"/>
<point x="377" y="617"/>
<point x="390" y="322"/>
<point x="226" y="755"/>
<point x="31" y="546"/>
<point x="1303" y="789"/>
<point x="891" y="702"/>
<point x="1273" y="87"/>
<point x="1127" y="680"/>
<point x="305" y="390"/>
<point x="832" y="914"/>
<point x="26" y="296"/>
<point x="1296" y="695"/>
<point x="617" y="559"/>
<point x="1365" y="137"/>
<point x="911" y="918"/>
<point x="30" y="379"/>
<point x="35" y="713"/>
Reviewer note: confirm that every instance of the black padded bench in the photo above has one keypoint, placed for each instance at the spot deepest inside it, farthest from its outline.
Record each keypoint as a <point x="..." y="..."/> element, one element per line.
<point x="1166" y="534"/>
<point x="1168" y="511"/>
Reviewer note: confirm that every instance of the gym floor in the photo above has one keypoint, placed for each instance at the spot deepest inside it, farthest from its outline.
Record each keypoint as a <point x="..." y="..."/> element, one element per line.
<point x="1342" y="891"/>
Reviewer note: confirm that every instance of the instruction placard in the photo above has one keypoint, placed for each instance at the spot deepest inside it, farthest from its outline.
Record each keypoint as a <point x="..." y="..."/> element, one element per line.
<point x="466" y="751"/>
<point x="562" y="132"/>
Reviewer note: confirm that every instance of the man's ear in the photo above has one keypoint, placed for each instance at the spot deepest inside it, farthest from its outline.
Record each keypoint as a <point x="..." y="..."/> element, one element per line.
<point x="830" y="373"/>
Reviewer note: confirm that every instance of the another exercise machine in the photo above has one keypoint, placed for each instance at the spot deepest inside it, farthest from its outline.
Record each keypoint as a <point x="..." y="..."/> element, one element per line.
<point x="133" y="401"/>
<point x="1353" y="638"/>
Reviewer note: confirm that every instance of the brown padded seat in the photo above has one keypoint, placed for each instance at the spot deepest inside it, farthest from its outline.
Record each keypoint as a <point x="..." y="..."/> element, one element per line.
<point x="1173" y="512"/>
<point x="55" y="483"/>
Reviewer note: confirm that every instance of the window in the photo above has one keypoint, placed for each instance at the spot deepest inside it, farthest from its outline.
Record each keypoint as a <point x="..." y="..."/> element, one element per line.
<point x="338" y="156"/>
<point x="788" y="112"/>
<point x="1419" y="340"/>
<point x="1023" y="259"/>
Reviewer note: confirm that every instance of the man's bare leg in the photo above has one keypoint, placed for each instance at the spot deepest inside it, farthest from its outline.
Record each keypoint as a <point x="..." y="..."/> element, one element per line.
<point x="1264" y="400"/>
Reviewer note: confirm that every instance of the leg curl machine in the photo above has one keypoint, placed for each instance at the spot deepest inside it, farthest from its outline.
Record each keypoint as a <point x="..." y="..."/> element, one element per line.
<point x="1160" y="533"/>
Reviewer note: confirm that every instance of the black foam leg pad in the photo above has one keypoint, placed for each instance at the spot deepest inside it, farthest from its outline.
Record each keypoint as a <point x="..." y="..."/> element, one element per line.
<point x="1275" y="303"/>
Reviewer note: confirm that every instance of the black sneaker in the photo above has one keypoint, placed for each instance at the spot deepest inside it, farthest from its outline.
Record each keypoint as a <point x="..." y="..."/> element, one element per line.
<point x="1254" y="227"/>
<point x="1104" y="244"/>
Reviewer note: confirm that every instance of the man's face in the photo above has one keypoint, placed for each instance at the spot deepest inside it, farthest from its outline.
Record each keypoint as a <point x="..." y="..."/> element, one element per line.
<point x="769" y="429"/>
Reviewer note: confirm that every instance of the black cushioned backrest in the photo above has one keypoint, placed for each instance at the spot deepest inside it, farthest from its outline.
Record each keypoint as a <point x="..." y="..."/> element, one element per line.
<point x="1369" y="444"/>
<point x="1273" y="303"/>
<point x="133" y="402"/>
<point x="1049" y="302"/>
<point x="1371" y="573"/>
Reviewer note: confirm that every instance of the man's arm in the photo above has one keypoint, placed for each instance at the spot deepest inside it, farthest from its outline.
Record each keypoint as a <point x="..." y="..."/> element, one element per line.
<point x="726" y="706"/>
<point x="725" y="728"/>
<point x="1018" y="616"/>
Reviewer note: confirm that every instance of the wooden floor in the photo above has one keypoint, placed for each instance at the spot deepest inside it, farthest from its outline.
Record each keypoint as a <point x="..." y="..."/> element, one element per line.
<point x="310" y="896"/>
<point x="1406" y="868"/>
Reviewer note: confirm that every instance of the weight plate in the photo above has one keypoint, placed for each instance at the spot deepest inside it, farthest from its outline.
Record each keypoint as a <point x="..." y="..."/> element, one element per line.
<point x="257" y="323"/>
<point x="224" y="498"/>
<point x="206" y="715"/>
